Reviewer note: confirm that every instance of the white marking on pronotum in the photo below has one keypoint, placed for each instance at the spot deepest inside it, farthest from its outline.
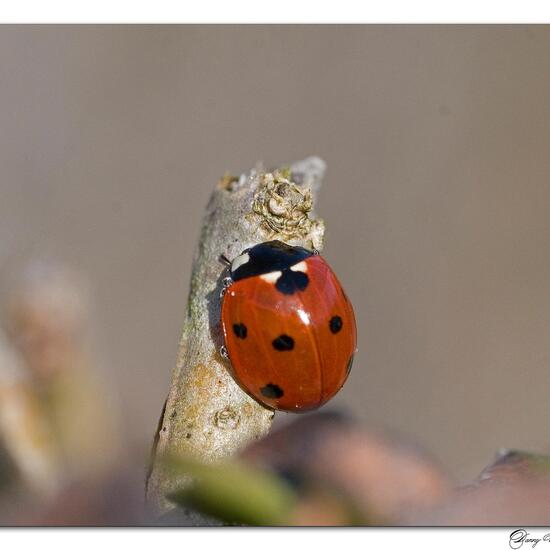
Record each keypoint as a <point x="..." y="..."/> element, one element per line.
<point x="271" y="277"/>
<point x="239" y="260"/>
<point x="302" y="266"/>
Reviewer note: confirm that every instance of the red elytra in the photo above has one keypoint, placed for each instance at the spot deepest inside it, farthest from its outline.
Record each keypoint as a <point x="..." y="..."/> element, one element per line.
<point x="289" y="327"/>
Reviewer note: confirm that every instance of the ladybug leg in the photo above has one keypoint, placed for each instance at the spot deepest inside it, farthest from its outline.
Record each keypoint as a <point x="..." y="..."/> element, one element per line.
<point x="226" y="283"/>
<point x="223" y="352"/>
<point x="224" y="259"/>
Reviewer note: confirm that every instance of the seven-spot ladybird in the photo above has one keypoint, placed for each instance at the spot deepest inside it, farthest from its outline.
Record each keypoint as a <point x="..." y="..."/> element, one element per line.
<point x="289" y="327"/>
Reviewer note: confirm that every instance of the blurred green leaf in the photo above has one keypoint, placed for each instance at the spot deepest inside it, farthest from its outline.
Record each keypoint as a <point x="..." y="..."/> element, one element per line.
<point x="234" y="492"/>
<point x="537" y="463"/>
<point x="511" y="464"/>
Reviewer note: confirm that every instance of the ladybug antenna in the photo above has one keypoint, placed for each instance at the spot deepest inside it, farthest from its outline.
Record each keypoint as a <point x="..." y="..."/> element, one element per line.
<point x="224" y="260"/>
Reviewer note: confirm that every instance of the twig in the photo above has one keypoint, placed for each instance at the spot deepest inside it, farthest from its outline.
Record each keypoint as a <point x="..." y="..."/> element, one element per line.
<point x="207" y="415"/>
<point x="24" y="433"/>
<point x="47" y="320"/>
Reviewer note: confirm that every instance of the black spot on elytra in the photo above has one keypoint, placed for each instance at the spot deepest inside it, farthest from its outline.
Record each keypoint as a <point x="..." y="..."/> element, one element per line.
<point x="240" y="330"/>
<point x="272" y="391"/>
<point x="283" y="343"/>
<point x="335" y="324"/>
<point x="291" y="281"/>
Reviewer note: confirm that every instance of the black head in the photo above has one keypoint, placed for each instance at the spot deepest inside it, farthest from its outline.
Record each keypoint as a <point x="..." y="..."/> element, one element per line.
<point x="267" y="257"/>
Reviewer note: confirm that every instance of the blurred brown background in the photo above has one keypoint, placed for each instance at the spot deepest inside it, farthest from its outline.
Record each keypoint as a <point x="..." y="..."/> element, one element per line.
<point x="437" y="199"/>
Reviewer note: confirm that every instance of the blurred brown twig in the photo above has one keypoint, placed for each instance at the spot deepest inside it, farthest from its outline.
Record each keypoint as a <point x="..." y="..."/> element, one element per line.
<point x="58" y="399"/>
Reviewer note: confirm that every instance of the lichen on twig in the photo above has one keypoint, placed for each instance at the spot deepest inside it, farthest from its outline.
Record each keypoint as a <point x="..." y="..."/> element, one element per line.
<point x="207" y="415"/>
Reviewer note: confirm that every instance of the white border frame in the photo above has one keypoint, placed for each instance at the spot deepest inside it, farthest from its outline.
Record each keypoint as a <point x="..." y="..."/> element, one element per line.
<point x="280" y="11"/>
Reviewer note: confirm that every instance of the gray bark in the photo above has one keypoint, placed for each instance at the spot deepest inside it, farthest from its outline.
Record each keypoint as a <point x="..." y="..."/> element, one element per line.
<point x="207" y="414"/>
